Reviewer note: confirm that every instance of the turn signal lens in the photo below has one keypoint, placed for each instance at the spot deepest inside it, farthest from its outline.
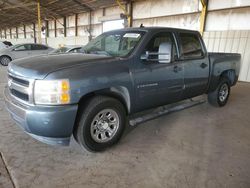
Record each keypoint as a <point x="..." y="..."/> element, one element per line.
<point x="65" y="86"/>
<point x="65" y="98"/>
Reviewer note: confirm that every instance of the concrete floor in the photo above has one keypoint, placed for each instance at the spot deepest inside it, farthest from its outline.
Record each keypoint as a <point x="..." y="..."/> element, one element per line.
<point x="198" y="147"/>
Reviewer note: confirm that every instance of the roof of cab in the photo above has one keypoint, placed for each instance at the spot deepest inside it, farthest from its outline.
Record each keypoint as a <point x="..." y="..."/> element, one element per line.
<point x="147" y="29"/>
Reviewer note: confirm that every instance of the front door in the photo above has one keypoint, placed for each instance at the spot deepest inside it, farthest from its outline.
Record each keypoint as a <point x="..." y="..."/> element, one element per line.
<point x="21" y="51"/>
<point x="158" y="83"/>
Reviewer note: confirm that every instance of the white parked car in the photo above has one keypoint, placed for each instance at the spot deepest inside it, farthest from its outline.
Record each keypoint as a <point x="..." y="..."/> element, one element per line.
<point x="5" y="44"/>
<point x="22" y="50"/>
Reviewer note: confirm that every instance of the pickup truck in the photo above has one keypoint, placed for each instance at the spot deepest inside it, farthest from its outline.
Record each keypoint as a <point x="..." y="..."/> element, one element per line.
<point x="90" y="95"/>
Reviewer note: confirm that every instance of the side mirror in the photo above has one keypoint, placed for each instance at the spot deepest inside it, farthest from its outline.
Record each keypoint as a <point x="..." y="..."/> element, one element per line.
<point x="165" y="52"/>
<point x="163" y="55"/>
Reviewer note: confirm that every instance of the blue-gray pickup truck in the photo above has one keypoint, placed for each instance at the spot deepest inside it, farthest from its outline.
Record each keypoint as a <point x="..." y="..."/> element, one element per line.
<point x="89" y="95"/>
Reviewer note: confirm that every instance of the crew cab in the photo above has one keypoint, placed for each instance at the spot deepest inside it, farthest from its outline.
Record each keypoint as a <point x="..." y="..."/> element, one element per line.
<point x="90" y="95"/>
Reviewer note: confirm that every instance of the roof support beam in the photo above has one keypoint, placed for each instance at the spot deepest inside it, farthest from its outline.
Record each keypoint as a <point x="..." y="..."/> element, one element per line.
<point x="83" y="5"/>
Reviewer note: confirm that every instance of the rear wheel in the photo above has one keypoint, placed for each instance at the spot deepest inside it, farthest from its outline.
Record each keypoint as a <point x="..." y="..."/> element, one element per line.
<point x="101" y="123"/>
<point x="220" y="96"/>
<point x="5" y="60"/>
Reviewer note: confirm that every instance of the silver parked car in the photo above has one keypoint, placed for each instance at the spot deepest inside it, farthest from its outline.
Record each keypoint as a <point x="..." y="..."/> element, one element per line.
<point x="22" y="50"/>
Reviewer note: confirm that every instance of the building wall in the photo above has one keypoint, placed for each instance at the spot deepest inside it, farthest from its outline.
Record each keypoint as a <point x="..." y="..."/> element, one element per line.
<point x="233" y="41"/>
<point x="227" y="25"/>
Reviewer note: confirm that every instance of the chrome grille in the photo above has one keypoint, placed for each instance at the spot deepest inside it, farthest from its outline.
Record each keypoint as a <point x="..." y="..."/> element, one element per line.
<point x="21" y="88"/>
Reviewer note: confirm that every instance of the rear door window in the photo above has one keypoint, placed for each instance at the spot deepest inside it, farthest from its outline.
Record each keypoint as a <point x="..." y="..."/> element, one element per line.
<point x="190" y="46"/>
<point x="39" y="47"/>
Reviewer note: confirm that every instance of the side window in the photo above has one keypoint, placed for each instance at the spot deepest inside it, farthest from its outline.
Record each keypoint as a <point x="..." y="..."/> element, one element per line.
<point x="39" y="47"/>
<point x="190" y="46"/>
<point x="157" y="40"/>
<point x="112" y="43"/>
<point x="23" y="47"/>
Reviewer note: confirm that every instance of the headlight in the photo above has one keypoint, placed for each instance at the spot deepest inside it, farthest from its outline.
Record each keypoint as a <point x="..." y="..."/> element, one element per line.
<point x="52" y="92"/>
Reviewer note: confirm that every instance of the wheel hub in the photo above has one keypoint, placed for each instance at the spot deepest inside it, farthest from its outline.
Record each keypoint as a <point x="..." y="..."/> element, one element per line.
<point x="223" y="93"/>
<point x="105" y="125"/>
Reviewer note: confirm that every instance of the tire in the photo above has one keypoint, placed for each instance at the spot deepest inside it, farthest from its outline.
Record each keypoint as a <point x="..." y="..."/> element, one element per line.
<point x="220" y="96"/>
<point x="100" y="123"/>
<point x="5" y="60"/>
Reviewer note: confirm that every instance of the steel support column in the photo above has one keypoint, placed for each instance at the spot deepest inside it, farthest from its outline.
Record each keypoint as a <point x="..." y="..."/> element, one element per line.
<point x="24" y="31"/>
<point x="34" y="32"/>
<point x="10" y="33"/>
<point x="39" y="22"/>
<point x="203" y="16"/>
<point x="90" y="26"/>
<point x="65" y="26"/>
<point x="55" y="28"/>
<point x="17" y="32"/>
<point x="126" y="13"/>
<point x="76" y="25"/>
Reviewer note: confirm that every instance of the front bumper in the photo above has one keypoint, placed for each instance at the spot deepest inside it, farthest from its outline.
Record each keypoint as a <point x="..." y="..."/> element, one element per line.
<point x="49" y="124"/>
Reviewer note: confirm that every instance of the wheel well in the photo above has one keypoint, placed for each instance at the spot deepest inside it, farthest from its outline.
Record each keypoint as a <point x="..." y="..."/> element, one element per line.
<point x="6" y="56"/>
<point x="230" y="75"/>
<point x="84" y="99"/>
<point x="104" y="92"/>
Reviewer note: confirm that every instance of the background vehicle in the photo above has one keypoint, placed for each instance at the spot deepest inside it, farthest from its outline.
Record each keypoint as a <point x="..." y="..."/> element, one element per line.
<point x="22" y="50"/>
<point x="68" y="49"/>
<point x="123" y="72"/>
<point x="5" y="44"/>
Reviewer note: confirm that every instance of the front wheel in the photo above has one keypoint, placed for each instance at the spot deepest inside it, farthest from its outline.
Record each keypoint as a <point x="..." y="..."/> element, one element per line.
<point x="5" y="60"/>
<point x="220" y="96"/>
<point x="101" y="123"/>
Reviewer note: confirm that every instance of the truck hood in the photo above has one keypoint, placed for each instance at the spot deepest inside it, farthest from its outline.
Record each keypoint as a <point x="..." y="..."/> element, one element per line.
<point x="39" y="67"/>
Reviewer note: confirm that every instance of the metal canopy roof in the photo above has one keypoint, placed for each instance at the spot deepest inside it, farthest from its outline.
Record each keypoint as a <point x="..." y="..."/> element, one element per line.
<point x="17" y="12"/>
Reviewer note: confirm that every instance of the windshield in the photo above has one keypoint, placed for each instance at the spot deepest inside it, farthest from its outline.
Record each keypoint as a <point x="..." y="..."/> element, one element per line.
<point x="117" y="44"/>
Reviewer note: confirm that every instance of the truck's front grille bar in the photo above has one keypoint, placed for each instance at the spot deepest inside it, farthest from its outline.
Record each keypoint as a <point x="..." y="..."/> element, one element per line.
<point x="21" y="88"/>
<point x="19" y="81"/>
<point x="19" y="95"/>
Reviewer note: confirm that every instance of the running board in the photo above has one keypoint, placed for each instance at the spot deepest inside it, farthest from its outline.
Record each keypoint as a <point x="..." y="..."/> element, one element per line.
<point x="163" y="110"/>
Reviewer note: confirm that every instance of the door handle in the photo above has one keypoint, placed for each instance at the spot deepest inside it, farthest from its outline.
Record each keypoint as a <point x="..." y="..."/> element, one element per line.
<point x="177" y="69"/>
<point x="203" y="65"/>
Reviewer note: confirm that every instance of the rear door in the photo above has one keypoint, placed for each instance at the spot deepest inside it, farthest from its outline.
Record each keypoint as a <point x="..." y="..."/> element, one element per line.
<point x="196" y="64"/>
<point x="158" y="83"/>
<point x="38" y="49"/>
